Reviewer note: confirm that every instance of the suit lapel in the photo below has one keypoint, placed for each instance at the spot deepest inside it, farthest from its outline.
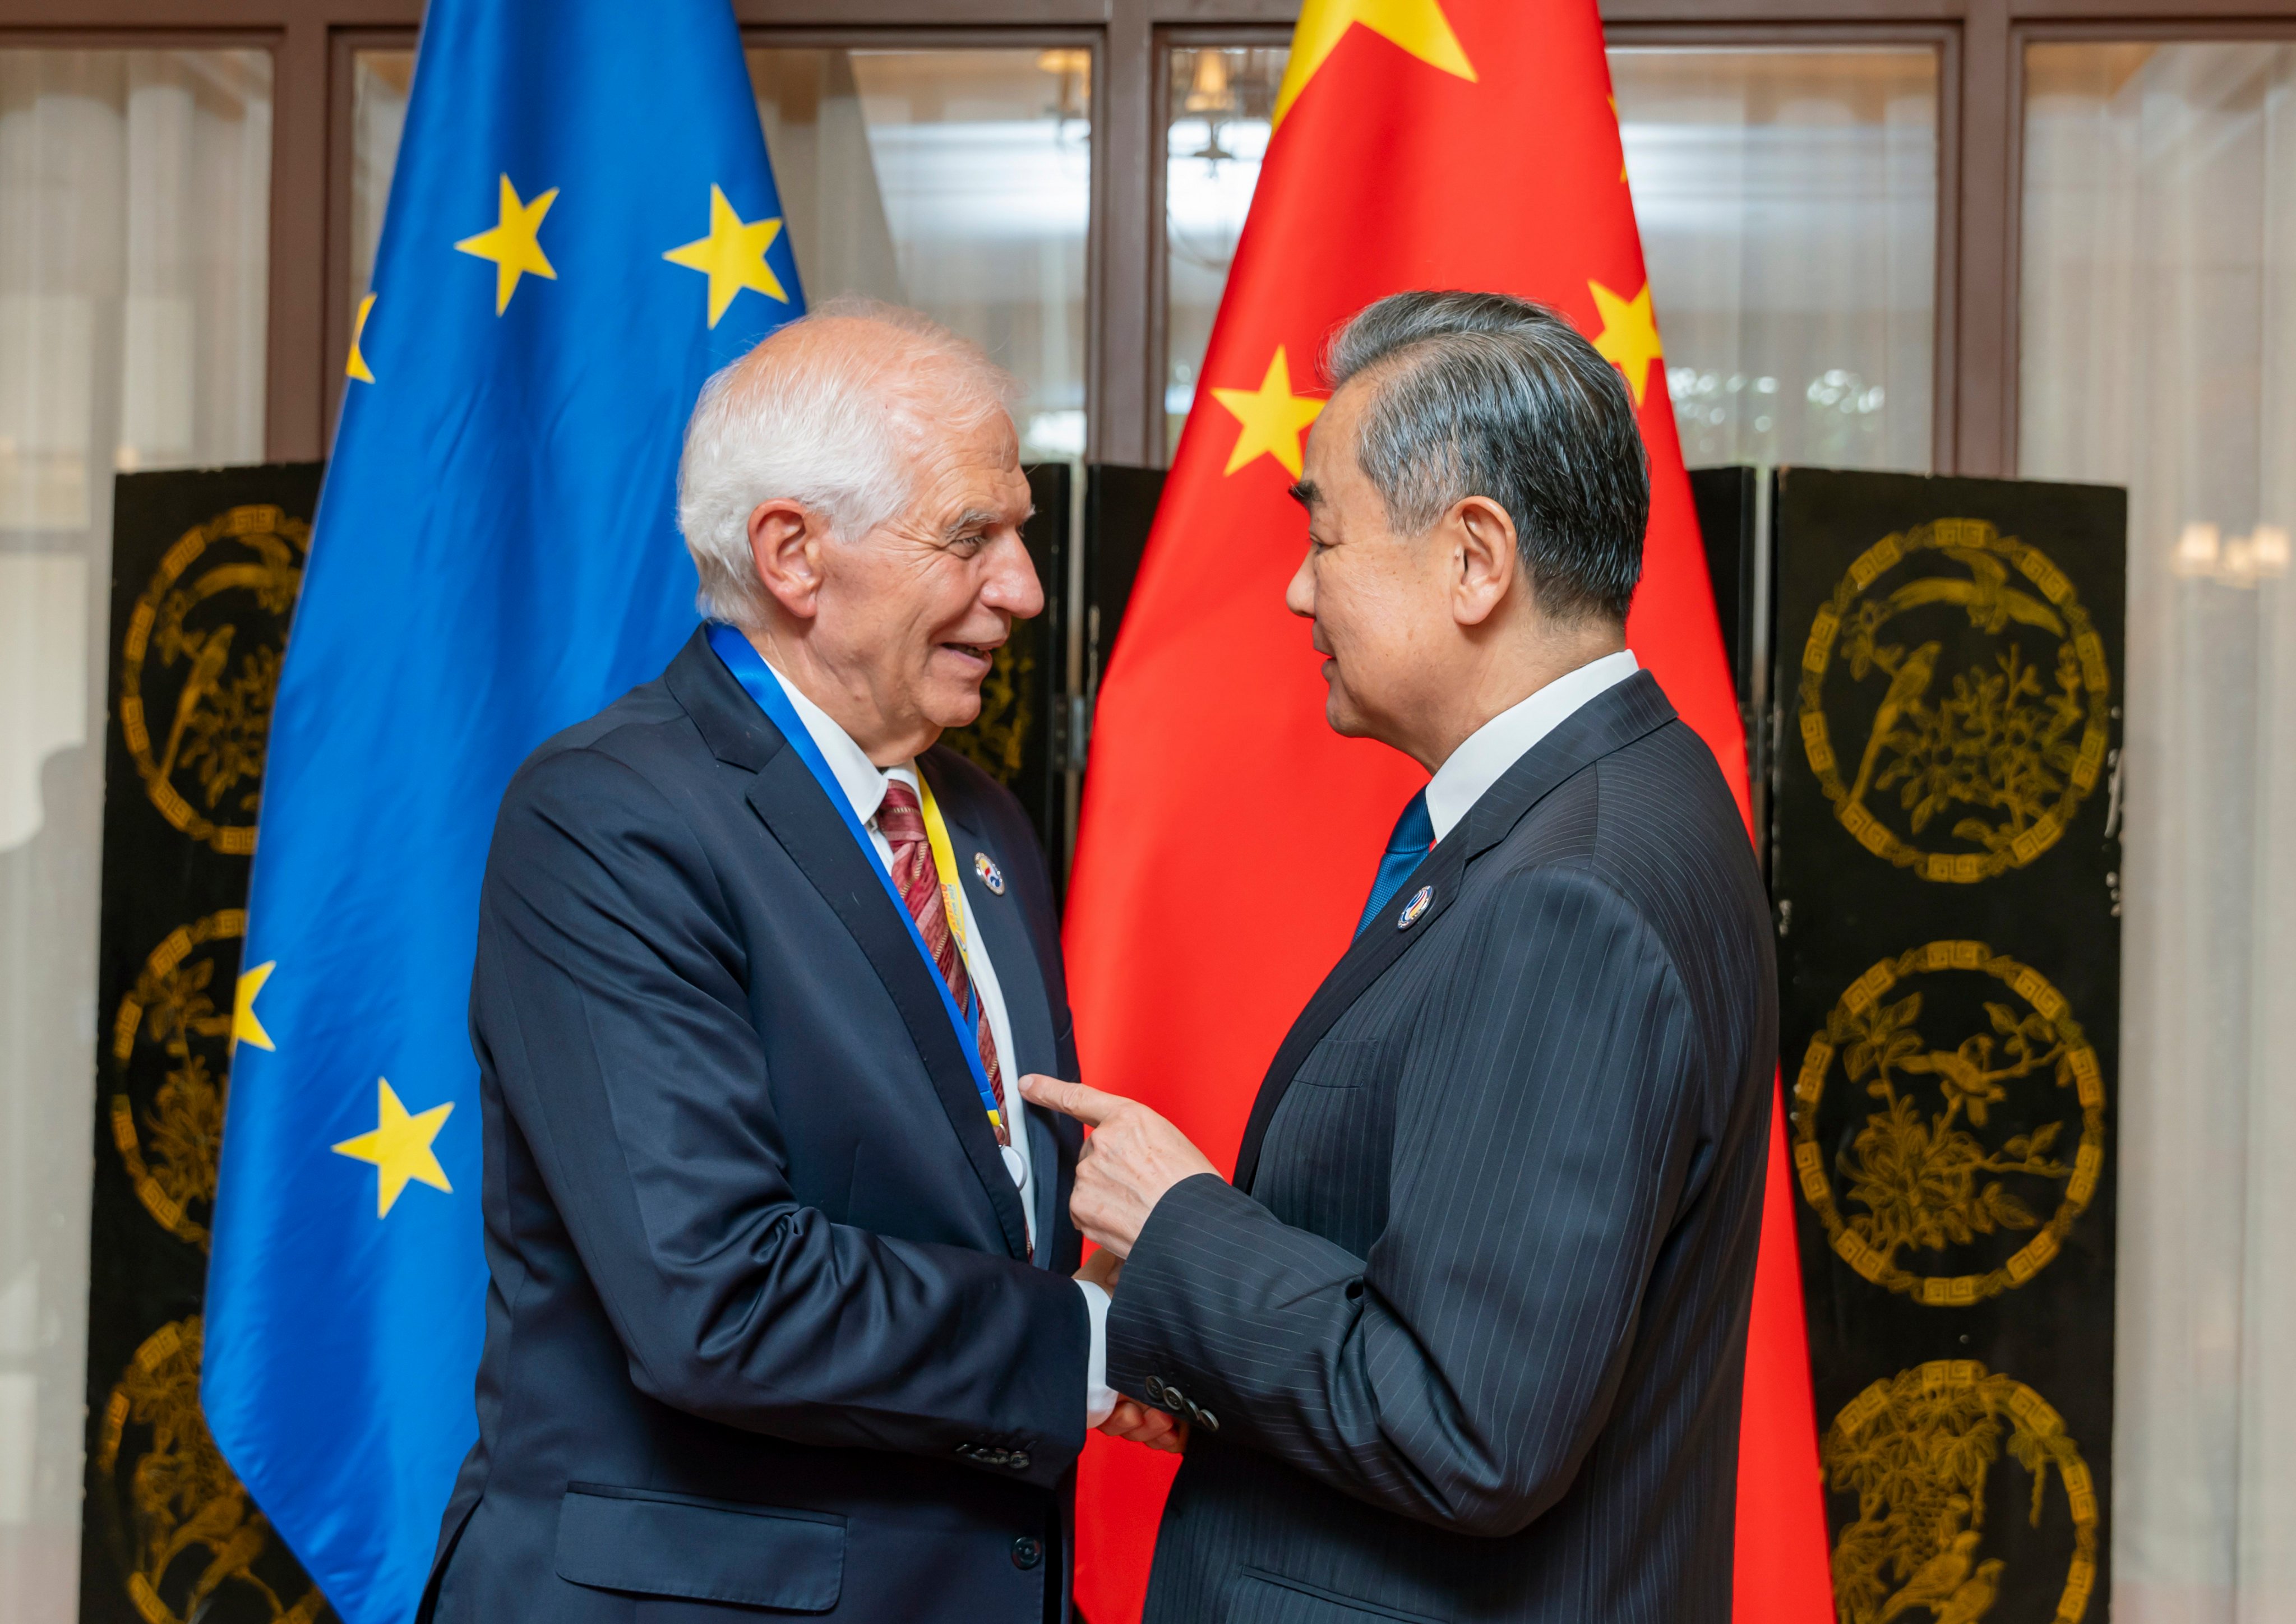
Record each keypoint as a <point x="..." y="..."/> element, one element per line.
<point x="1020" y="979"/>
<point x="795" y="807"/>
<point x="1611" y="720"/>
<point x="1052" y="1193"/>
<point x="1376" y="947"/>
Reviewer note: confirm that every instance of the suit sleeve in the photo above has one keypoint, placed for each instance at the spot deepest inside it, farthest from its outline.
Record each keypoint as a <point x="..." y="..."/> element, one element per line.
<point x="610" y="1004"/>
<point x="1459" y="1373"/>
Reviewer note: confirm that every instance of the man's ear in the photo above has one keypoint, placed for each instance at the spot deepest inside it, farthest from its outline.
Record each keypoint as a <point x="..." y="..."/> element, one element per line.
<point x="785" y="541"/>
<point x="1484" y="548"/>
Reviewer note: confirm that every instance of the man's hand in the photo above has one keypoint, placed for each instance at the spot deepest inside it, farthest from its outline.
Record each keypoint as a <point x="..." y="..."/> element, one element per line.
<point x="1132" y="1421"/>
<point x="1101" y="1269"/>
<point x="1133" y="1157"/>
<point x="1138" y="1423"/>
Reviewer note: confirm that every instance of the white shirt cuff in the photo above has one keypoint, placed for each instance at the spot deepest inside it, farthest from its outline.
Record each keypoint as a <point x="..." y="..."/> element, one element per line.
<point x="1099" y="1400"/>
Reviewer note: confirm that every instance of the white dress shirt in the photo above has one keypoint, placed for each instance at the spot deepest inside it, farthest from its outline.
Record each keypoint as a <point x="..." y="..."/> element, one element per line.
<point x="1486" y="753"/>
<point x="864" y="783"/>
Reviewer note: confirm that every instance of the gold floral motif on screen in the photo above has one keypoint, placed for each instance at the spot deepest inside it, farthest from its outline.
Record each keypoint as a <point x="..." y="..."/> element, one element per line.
<point x="1964" y="774"/>
<point x="1930" y="1170"/>
<point x="1918" y="1449"/>
<point x="187" y="1537"/>
<point x="200" y="666"/>
<point x="180" y="1006"/>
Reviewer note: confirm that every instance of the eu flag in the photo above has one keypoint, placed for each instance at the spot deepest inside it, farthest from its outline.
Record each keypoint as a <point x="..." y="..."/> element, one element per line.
<point x="583" y="224"/>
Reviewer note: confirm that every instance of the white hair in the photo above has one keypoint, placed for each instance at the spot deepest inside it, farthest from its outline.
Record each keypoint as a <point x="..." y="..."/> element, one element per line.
<point x="835" y="428"/>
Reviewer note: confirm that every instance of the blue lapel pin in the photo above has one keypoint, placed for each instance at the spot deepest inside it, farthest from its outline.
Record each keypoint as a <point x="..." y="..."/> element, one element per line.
<point x="1414" y="908"/>
<point x="991" y="876"/>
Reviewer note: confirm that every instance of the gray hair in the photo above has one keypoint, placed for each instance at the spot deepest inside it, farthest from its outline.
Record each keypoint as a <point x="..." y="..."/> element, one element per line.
<point x="1486" y="395"/>
<point x="831" y="427"/>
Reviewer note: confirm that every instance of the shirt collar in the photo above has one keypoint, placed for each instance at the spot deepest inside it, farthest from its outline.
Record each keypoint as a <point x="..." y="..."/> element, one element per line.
<point x="1507" y="737"/>
<point x="862" y="780"/>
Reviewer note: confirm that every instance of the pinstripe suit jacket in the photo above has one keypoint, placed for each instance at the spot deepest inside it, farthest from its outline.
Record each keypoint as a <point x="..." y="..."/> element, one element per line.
<point x="1464" y="1340"/>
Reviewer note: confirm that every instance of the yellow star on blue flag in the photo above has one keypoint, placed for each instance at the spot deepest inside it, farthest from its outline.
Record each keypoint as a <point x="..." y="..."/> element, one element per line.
<point x="399" y="1147"/>
<point x="245" y="1026"/>
<point x="514" y="242"/>
<point x="356" y="366"/>
<point x="732" y="256"/>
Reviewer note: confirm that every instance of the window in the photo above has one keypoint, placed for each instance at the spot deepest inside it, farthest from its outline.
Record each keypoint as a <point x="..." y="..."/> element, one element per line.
<point x="380" y="82"/>
<point x="1788" y="201"/>
<point x="957" y="181"/>
<point x="1216" y="129"/>
<point x="134" y="215"/>
<point x="2158" y="350"/>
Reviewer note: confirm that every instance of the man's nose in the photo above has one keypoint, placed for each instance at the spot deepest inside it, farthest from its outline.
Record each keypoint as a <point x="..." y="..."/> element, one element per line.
<point x="1012" y="585"/>
<point x="1299" y="596"/>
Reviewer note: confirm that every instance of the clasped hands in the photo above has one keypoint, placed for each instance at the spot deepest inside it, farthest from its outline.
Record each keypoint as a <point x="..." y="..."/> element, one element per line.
<point x="1131" y="1159"/>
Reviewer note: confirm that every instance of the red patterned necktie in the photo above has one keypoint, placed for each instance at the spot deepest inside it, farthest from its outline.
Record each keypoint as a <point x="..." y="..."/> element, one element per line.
<point x="902" y="822"/>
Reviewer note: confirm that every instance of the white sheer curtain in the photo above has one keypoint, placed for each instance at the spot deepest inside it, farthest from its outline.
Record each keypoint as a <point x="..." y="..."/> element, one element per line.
<point x="1788" y="205"/>
<point x="135" y="202"/>
<point x="959" y="180"/>
<point x="2159" y="318"/>
<point x="380" y="82"/>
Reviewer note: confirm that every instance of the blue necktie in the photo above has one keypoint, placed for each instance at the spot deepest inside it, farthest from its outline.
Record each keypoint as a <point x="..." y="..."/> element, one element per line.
<point x="1414" y="832"/>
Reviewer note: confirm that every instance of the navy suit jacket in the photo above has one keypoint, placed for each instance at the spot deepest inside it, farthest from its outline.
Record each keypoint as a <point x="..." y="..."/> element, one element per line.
<point x="761" y="1328"/>
<point x="1465" y="1340"/>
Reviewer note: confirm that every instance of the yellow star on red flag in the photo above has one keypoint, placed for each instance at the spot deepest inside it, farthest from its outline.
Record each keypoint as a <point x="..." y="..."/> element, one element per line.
<point x="1272" y="417"/>
<point x="1629" y="337"/>
<point x="1417" y="26"/>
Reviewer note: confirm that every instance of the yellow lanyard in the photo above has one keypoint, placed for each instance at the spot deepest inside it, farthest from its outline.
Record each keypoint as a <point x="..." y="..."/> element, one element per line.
<point x="951" y="902"/>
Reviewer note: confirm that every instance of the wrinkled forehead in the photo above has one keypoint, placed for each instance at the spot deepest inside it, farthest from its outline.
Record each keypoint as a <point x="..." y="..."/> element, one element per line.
<point x="968" y="477"/>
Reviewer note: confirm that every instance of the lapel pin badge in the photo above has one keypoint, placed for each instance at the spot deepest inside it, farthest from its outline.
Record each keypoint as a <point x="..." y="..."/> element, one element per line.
<point x="1414" y="908"/>
<point x="991" y="876"/>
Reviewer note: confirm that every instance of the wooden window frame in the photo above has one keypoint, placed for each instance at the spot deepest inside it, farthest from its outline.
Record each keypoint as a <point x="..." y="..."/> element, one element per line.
<point x="1981" y="45"/>
<point x="343" y="47"/>
<point x="1940" y="39"/>
<point x="1154" y="328"/>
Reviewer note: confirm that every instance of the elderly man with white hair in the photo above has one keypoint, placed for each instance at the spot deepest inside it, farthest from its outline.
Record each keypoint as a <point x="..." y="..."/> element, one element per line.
<point x="781" y="1318"/>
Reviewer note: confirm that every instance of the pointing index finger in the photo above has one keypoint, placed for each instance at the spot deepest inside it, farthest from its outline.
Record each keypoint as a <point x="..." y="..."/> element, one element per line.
<point x="1089" y="1106"/>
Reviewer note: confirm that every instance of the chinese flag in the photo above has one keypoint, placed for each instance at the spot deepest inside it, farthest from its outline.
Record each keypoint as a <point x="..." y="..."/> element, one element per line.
<point x="1228" y="835"/>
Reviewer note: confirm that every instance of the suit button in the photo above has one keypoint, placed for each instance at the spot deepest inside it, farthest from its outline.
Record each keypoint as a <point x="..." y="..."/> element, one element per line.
<point x="1174" y="1397"/>
<point x="1028" y="1551"/>
<point x="1209" y="1421"/>
<point x="1018" y="1460"/>
<point x="1156" y="1389"/>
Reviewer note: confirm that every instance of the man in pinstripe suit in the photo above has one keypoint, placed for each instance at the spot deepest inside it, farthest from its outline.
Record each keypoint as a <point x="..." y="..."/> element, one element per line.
<point x="1464" y="1339"/>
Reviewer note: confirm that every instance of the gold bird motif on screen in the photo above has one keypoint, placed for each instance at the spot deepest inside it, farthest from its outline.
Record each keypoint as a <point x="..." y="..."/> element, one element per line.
<point x="1973" y="1599"/>
<point x="1906" y="687"/>
<point x="1992" y="603"/>
<point x="1935" y="1582"/>
<point x="207" y="671"/>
